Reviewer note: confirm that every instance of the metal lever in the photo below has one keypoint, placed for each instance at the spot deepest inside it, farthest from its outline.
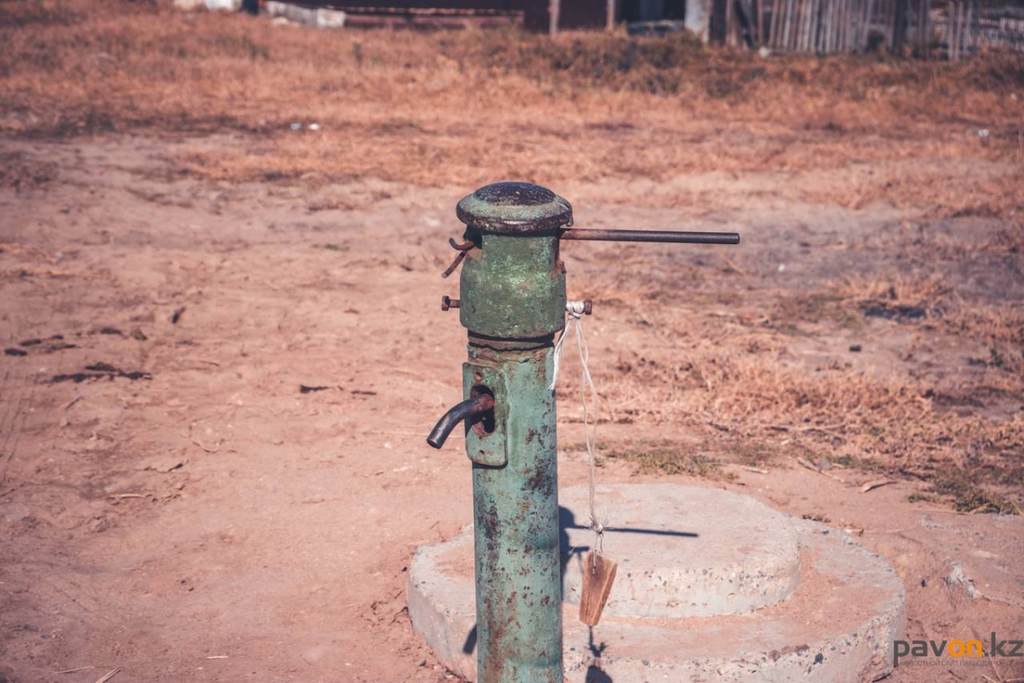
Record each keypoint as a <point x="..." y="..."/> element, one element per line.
<point x="651" y="236"/>
<point x="459" y="412"/>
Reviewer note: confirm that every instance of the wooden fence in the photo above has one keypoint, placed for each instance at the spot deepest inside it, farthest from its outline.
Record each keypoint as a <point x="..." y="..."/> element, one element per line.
<point x="953" y="29"/>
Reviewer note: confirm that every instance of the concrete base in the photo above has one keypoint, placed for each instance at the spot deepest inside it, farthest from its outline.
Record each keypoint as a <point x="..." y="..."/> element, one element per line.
<point x="711" y="586"/>
<point x="677" y="554"/>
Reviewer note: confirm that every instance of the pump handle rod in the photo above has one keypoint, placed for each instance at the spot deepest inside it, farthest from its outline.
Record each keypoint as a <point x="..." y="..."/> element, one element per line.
<point x="668" y="236"/>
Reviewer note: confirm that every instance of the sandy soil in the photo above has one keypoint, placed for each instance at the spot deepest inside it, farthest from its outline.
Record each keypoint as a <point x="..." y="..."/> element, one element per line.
<point x="213" y="462"/>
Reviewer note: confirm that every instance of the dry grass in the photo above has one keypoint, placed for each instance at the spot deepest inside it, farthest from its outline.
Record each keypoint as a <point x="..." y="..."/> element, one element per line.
<point x="666" y="458"/>
<point x="464" y="107"/>
<point x="903" y="296"/>
<point x="468" y="107"/>
<point x="737" y="383"/>
<point x="933" y="300"/>
<point x="895" y="425"/>
<point x="20" y="172"/>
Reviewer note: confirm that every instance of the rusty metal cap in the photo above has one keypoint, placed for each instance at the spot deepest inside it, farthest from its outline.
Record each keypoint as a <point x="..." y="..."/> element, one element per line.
<point x="512" y="207"/>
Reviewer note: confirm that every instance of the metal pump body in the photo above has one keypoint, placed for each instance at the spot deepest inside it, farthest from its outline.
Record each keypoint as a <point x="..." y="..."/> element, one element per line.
<point x="512" y="303"/>
<point x="512" y="294"/>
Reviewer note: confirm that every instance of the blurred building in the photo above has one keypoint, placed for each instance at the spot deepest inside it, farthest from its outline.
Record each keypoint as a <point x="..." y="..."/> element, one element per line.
<point x="955" y="28"/>
<point x="534" y="14"/>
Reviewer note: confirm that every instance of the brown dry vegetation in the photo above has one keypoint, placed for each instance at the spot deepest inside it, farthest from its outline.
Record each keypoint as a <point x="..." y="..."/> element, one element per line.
<point x="460" y="109"/>
<point x="742" y="384"/>
<point x="463" y="107"/>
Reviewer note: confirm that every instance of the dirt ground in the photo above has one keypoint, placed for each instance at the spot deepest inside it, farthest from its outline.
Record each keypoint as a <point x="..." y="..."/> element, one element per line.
<point x="177" y="505"/>
<point x="223" y="349"/>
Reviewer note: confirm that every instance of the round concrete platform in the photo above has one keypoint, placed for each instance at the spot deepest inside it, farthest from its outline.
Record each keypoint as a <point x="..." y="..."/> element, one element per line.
<point x="711" y="586"/>
<point x="666" y="568"/>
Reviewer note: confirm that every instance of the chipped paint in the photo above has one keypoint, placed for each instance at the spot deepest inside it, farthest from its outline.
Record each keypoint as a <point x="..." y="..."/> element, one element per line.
<point x="513" y="302"/>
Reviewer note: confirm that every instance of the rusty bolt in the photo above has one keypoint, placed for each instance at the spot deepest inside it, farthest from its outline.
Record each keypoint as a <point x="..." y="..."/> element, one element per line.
<point x="588" y="306"/>
<point x="448" y="302"/>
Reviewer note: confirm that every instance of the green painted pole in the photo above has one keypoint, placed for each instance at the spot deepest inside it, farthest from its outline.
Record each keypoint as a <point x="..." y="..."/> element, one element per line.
<point x="515" y="515"/>
<point x="512" y="302"/>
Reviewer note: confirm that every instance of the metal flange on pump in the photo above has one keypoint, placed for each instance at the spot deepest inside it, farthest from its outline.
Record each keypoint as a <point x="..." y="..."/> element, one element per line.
<point x="512" y="302"/>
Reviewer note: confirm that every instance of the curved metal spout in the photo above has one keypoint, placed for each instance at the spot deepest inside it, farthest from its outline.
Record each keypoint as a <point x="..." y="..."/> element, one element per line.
<point x="459" y="412"/>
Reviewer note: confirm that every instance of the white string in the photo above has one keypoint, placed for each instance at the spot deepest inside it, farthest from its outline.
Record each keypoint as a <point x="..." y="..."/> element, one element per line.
<point x="575" y="309"/>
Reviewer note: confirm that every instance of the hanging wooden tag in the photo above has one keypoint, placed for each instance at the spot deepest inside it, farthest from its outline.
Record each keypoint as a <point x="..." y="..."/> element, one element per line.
<point x="598" y="576"/>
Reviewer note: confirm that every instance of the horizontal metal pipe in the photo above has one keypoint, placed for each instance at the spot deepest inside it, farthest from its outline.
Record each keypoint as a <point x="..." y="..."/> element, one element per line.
<point x="667" y="236"/>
